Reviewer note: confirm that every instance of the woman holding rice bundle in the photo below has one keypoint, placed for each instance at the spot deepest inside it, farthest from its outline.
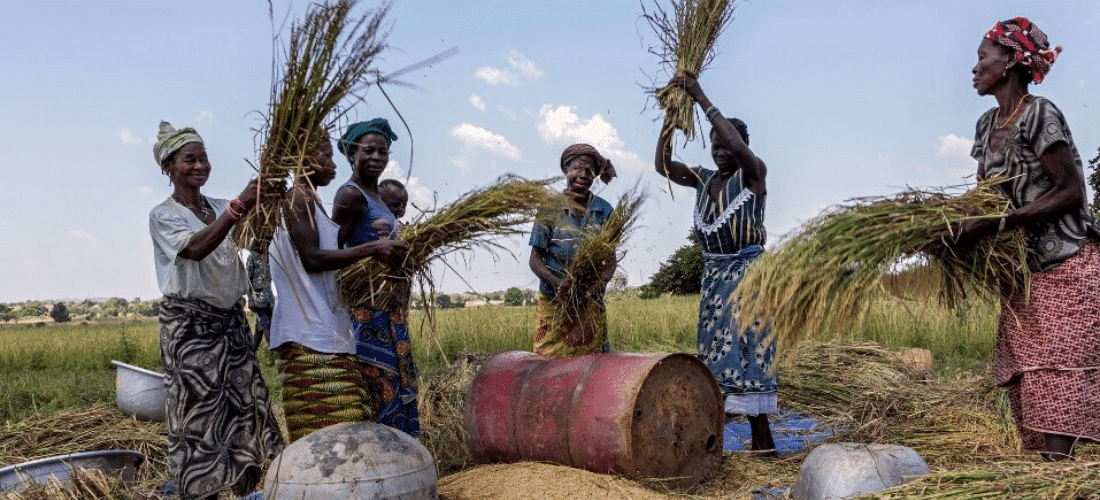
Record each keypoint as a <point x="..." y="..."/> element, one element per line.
<point x="324" y="382"/>
<point x="220" y="426"/>
<point x="554" y="241"/>
<point x="1048" y="341"/>
<point x="729" y="221"/>
<point x="381" y="336"/>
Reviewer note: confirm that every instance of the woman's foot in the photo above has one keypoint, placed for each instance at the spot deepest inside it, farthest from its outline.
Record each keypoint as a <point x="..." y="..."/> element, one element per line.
<point x="1059" y="447"/>
<point x="762" y="436"/>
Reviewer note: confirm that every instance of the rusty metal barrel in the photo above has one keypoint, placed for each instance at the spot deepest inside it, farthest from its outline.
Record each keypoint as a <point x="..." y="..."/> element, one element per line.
<point x="637" y="415"/>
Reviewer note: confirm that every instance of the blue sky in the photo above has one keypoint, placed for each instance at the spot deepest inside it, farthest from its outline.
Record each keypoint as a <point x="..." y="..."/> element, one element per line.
<point x="843" y="99"/>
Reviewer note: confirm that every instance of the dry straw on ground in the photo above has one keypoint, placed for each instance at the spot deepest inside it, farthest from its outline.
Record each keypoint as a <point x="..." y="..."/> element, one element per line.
<point x="327" y="60"/>
<point x="475" y="220"/>
<point x="687" y="38"/>
<point x="595" y="258"/>
<point x="81" y="430"/>
<point x="823" y="278"/>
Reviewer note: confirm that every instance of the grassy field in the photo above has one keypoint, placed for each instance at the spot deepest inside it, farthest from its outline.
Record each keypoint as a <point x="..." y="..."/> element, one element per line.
<point x="56" y="366"/>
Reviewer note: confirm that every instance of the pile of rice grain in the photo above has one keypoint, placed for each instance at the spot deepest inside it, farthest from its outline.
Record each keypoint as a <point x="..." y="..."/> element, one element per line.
<point x="539" y="481"/>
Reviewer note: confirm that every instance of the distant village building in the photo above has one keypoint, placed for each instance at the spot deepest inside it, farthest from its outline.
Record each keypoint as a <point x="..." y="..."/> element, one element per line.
<point x="483" y="303"/>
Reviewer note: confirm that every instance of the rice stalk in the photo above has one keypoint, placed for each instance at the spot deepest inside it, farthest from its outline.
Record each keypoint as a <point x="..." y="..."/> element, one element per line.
<point x="823" y="279"/>
<point x="596" y="257"/>
<point x="687" y="38"/>
<point x="86" y="429"/>
<point x="1008" y="480"/>
<point x="473" y="221"/>
<point x="327" y="59"/>
<point x="442" y="407"/>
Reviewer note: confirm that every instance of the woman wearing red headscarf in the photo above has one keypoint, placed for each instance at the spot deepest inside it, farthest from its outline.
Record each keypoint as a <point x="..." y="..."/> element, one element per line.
<point x="554" y="241"/>
<point x="1048" y="341"/>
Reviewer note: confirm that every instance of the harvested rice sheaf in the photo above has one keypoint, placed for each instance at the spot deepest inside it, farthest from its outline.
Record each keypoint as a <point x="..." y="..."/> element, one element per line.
<point x="687" y="38"/>
<point x="327" y="59"/>
<point x="823" y="278"/>
<point x="595" y="257"/>
<point x="473" y="221"/>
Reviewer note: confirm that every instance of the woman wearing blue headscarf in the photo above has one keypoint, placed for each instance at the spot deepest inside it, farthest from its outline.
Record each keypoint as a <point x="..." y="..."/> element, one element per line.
<point x="381" y="336"/>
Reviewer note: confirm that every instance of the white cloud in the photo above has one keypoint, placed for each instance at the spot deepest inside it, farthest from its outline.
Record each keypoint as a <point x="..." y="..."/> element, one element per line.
<point x="525" y="66"/>
<point x="476" y="137"/>
<point x="82" y="236"/>
<point x="477" y="102"/>
<point x="205" y="116"/>
<point x="146" y="190"/>
<point x="562" y="125"/>
<point x="521" y="68"/>
<point x="494" y="76"/>
<point x="953" y="146"/>
<point x="129" y="139"/>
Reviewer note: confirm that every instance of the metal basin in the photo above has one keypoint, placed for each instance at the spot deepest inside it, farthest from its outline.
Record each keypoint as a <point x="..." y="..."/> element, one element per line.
<point x="139" y="393"/>
<point x="114" y="463"/>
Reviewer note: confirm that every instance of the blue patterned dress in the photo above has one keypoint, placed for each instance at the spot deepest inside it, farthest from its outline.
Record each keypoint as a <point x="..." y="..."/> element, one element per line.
<point x="382" y="339"/>
<point x="731" y="230"/>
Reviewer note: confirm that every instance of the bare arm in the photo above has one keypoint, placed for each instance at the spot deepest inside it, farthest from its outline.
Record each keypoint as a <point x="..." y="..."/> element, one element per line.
<point x="1066" y="195"/>
<point x="208" y="238"/>
<point x="753" y="170"/>
<point x="673" y="170"/>
<point x="303" y="232"/>
<point x="348" y="207"/>
<point x="538" y="266"/>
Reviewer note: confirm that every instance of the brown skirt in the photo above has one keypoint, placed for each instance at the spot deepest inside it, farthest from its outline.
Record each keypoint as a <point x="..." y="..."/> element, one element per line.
<point x="1048" y="352"/>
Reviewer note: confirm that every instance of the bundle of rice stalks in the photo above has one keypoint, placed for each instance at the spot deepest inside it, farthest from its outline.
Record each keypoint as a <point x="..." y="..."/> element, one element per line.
<point x="596" y="256"/>
<point x="1006" y="481"/>
<point x="442" y="406"/>
<point x="81" y="430"/>
<point x="867" y="389"/>
<point x="687" y="46"/>
<point x="824" y="277"/>
<point x="328" y="59"/>
<point x="474" y="220"/>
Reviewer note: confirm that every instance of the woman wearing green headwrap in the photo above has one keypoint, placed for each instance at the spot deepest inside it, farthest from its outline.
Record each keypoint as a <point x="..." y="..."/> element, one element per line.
<point x="220" y="426"/>
<point x="381" y="336"/>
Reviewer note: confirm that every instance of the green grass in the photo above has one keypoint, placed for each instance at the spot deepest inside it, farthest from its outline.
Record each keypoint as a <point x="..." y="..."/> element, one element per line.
<point x="59" y="366"/>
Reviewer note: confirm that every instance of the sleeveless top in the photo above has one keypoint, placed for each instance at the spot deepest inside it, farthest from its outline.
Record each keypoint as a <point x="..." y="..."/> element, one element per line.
<point x="308" y="309"/>
<point x="1041" y="125"/>
<point x="365" y="230"/>
<point x="731" y="222"/>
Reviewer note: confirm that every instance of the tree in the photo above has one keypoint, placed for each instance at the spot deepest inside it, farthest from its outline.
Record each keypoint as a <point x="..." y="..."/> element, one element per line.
<point x="6" y="313"/>
<point x="59" y="313"/>
<point x="443" y="301"/>
<point x="1094" y="183"/>
<point x="618" y="281"/>
<point x="682" y="274"/>
<point x="513" y="297"/>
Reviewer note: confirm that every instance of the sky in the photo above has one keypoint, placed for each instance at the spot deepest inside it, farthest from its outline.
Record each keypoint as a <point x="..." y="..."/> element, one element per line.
<point x="842" y="99"/>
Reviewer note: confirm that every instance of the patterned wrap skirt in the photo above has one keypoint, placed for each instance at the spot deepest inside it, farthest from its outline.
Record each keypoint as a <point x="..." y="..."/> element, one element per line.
<point x="221" y="430"/>
<point x="322" y="389"/>
<point x="1048" y="352"/>
<point x="382" y="342"/>
<point x="739" y="360"/>
<point x="588" y="337"/>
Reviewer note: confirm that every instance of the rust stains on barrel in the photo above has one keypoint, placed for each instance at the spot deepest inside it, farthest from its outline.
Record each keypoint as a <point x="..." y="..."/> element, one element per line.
<point x="639" y="415"/>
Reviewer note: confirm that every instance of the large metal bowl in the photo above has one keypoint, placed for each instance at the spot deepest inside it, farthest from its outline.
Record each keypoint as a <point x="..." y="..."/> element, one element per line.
<point x="139" y="393"/>
<point x="114" y="463"/>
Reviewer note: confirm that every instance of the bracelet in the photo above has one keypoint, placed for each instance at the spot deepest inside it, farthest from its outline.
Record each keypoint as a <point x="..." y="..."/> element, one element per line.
<point x="711" y="112"/>
<point x="233" y="212"/>
<point x="1001" y="225"/>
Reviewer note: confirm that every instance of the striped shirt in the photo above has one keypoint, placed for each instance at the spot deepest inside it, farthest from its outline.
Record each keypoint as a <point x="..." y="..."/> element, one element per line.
<point x="731" y="222"/>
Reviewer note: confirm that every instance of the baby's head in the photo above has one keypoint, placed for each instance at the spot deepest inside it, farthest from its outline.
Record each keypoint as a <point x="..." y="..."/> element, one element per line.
<point x="394" y="195"/>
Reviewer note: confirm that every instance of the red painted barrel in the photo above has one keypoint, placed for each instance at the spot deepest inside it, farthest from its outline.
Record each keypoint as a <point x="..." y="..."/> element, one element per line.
<point x="637" y="415"/>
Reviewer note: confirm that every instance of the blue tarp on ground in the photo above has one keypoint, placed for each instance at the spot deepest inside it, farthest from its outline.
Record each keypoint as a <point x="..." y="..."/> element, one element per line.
<point x="791" y="431"/>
